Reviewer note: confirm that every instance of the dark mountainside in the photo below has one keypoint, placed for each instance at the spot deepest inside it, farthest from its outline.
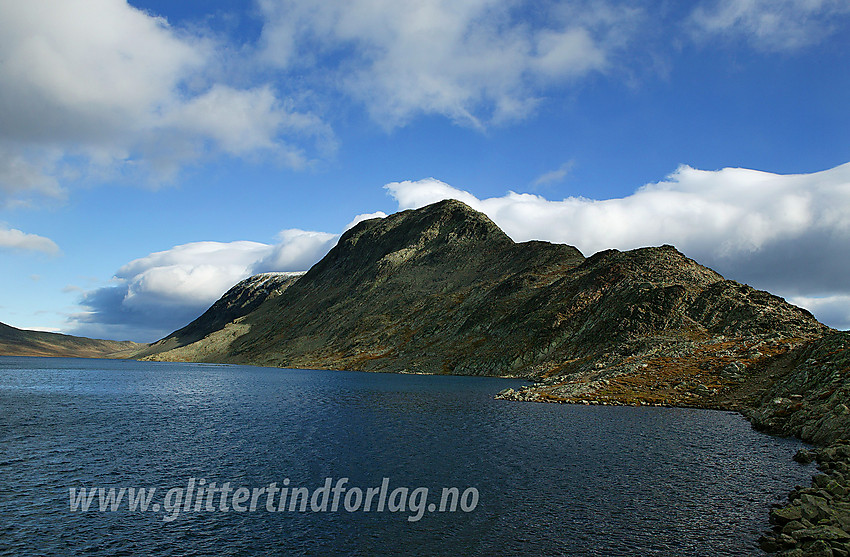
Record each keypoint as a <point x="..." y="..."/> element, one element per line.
<point x="439" y="290"/>
<point x="443" y="290"/>
<point x="18" y="342"/>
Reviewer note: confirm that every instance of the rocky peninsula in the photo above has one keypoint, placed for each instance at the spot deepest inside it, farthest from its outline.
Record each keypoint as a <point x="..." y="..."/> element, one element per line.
<point x="799" y="391"/>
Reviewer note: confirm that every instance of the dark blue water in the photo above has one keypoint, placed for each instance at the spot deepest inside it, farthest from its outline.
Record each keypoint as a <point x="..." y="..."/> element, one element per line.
<point x="551" y="479"/>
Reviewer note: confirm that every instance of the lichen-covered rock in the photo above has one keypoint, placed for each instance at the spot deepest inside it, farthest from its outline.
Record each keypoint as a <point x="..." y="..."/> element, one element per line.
<point x="810" y="396"/>
<point x="784" y="515"/>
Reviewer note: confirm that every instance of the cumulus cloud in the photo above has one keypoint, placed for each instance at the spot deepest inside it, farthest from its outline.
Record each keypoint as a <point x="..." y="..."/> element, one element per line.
<point x="297" y="250"/>
<point x="474" y="61"/>
<point x="23" y="178"/>
<point x="244" y="122"/>
<point x="11" y="238"/>
<point x="161" y="292"/>
<point x="188" y="273"/>
<point x="772" y="25"/>
<point x="365" y="216"/>
<point x="785" y="233"/>
<point x="97" y="87"/>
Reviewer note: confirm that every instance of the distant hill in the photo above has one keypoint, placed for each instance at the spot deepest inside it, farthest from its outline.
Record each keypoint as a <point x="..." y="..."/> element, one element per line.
<point x="19" y="342"/>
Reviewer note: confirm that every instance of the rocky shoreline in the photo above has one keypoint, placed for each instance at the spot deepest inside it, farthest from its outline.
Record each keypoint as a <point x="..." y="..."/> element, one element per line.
<point x="810" y="402"/>
<point x="816" y="520"/>
<point x="802" y="392"/>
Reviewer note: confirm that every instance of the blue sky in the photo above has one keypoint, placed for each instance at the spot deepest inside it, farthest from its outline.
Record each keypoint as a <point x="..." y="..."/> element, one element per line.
<point x="154" y="153"/>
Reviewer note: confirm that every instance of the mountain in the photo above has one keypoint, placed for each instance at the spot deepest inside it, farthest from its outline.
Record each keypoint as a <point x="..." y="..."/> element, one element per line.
<point x="401" y="293"/>
<point x="18" y="342"/>
<point x="443" y="290"/>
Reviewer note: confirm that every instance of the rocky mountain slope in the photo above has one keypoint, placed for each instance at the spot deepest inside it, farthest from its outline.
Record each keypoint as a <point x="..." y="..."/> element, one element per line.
<point x="18" y="342"/>
<point x="245" y="297"/>
<point x="414" y="291"/>
<point x="809" y="392"/>
<point x="443" y="290"/>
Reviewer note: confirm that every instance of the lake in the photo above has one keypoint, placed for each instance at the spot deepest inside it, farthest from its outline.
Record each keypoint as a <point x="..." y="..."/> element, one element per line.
<point x="519" y="478"/>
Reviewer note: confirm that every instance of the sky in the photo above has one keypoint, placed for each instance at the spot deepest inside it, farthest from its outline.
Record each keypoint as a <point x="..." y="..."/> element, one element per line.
<point x="154" y="153"/>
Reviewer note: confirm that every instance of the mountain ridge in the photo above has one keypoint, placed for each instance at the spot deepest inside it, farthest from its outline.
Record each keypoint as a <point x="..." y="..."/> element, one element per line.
<point x="442" y="289"/>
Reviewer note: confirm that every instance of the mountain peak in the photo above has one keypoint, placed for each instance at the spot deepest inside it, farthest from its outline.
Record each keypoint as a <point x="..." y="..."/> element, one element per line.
<point x="450" y="218"/>
<point x="446" y="227"/>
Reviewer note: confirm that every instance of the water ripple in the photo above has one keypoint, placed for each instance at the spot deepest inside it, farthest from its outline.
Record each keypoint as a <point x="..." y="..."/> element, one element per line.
<point x="566" y="480"/>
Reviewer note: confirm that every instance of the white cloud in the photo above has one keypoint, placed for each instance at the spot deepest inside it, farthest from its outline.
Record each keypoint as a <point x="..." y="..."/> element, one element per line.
<point x="720" y="214"/>
<point x="297" y="250"/>
<point x="95" y="88"/>
<point x="785" y="233"/>
<point x="45" y="329"/>
<point x="87" y="67"/>
<point x="11" y="238"/>
<point x="243" y="122"/>
<point x="470" y="60"/>
<point x="412" y="195"/>
<point x="22" y="177"/>
<point x="161" y="292"/>
<point x="773" y="25"/>
<point x="365" y="216"/>
<point x="189" y="274"/>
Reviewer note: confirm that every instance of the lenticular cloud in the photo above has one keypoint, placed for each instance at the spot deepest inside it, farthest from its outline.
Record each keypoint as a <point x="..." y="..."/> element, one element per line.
<point x="786" y="233"/>
<point x="716" y="214"/>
